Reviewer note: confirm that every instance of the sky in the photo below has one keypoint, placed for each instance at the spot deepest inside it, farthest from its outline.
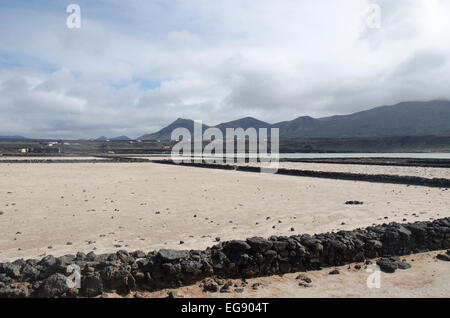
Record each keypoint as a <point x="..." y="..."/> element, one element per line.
<point x="135" y="66"/>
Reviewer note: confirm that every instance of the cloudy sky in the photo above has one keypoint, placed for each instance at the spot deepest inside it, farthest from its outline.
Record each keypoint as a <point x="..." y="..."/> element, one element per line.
<point x="134" y="66"/>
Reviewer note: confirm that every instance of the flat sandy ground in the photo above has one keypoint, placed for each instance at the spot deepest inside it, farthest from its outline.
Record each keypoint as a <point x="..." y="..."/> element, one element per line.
<point x="64" y="208"/>
<point x="427" y="277"/>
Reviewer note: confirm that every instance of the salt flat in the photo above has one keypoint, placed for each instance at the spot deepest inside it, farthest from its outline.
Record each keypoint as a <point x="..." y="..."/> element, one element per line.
<point x="63" y="208"/>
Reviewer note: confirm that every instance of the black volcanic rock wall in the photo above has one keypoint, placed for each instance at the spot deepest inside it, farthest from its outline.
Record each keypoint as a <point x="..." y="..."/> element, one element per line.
<point x="124" y="272"/>
<point x="379" y="178"/>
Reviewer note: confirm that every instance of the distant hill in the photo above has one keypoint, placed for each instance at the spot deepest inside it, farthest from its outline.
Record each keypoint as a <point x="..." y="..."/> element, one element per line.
<point x="166" y="133"/>
<point x="403" y="119"/>
<point x="297" y="127"/>
<point x="244" y="123"/>
<point x="13" y="138"/>
<point x="407" y="119"/>
<point x="121" y="138"/>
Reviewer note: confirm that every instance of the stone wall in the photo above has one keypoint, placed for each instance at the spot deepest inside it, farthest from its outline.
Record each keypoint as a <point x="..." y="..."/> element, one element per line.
<point x="124" y="271"/>
<point x="381" y="178"/>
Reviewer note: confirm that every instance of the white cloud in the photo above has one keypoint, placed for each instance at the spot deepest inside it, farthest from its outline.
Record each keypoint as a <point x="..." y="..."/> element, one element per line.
<point x="135" y="66"/>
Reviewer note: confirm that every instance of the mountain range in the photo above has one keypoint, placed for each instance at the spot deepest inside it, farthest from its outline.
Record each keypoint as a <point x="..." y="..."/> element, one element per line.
<point x="119" y="138"/>
<point x="403" y="119"/>
<point x="13" y="138"/>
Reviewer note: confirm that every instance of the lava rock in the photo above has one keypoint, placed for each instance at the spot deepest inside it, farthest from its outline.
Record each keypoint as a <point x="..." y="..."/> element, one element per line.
<point x="210" y="286"/>
<point x="403" y="265"/>
<point x="270" y="254"/>
<point x="172" y="294"/>
<point x="285" y="267"/>
<point x="138" y="254"/>
<point x="280" y="245"/>
<point x="334" y="272"/>
<point x="387" y="265"/>
<point x="54" y="286"/>
<point x="443" y="257"/>
<point x="259" y="244"/>
<point x="226" y="288"/>
<point x="12" y="270"/>
<point x="92" y="285"/>
<point x="354" y="202"/>
<point x="237" y="246"/>
<point x="304" y="278"/>
<point x="91" y="256"/>
<point x="172" y="255"/>
<point x="18" y="290"/>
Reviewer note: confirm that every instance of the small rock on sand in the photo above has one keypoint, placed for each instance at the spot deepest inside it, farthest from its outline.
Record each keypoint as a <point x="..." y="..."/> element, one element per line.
<point x="443" y="257"/>
<point x="209" y="285"/>
<point x="354" y="202"/>
<point x="304" y="278"/>
<point x="172" y="294"/>
<point x="390" y="264"/>
<point x="226" y="288"/>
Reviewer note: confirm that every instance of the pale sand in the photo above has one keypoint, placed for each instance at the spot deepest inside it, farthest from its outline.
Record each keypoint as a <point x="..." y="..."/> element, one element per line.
<point x="101" y="205"/>
<point x="428" y="277"/>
